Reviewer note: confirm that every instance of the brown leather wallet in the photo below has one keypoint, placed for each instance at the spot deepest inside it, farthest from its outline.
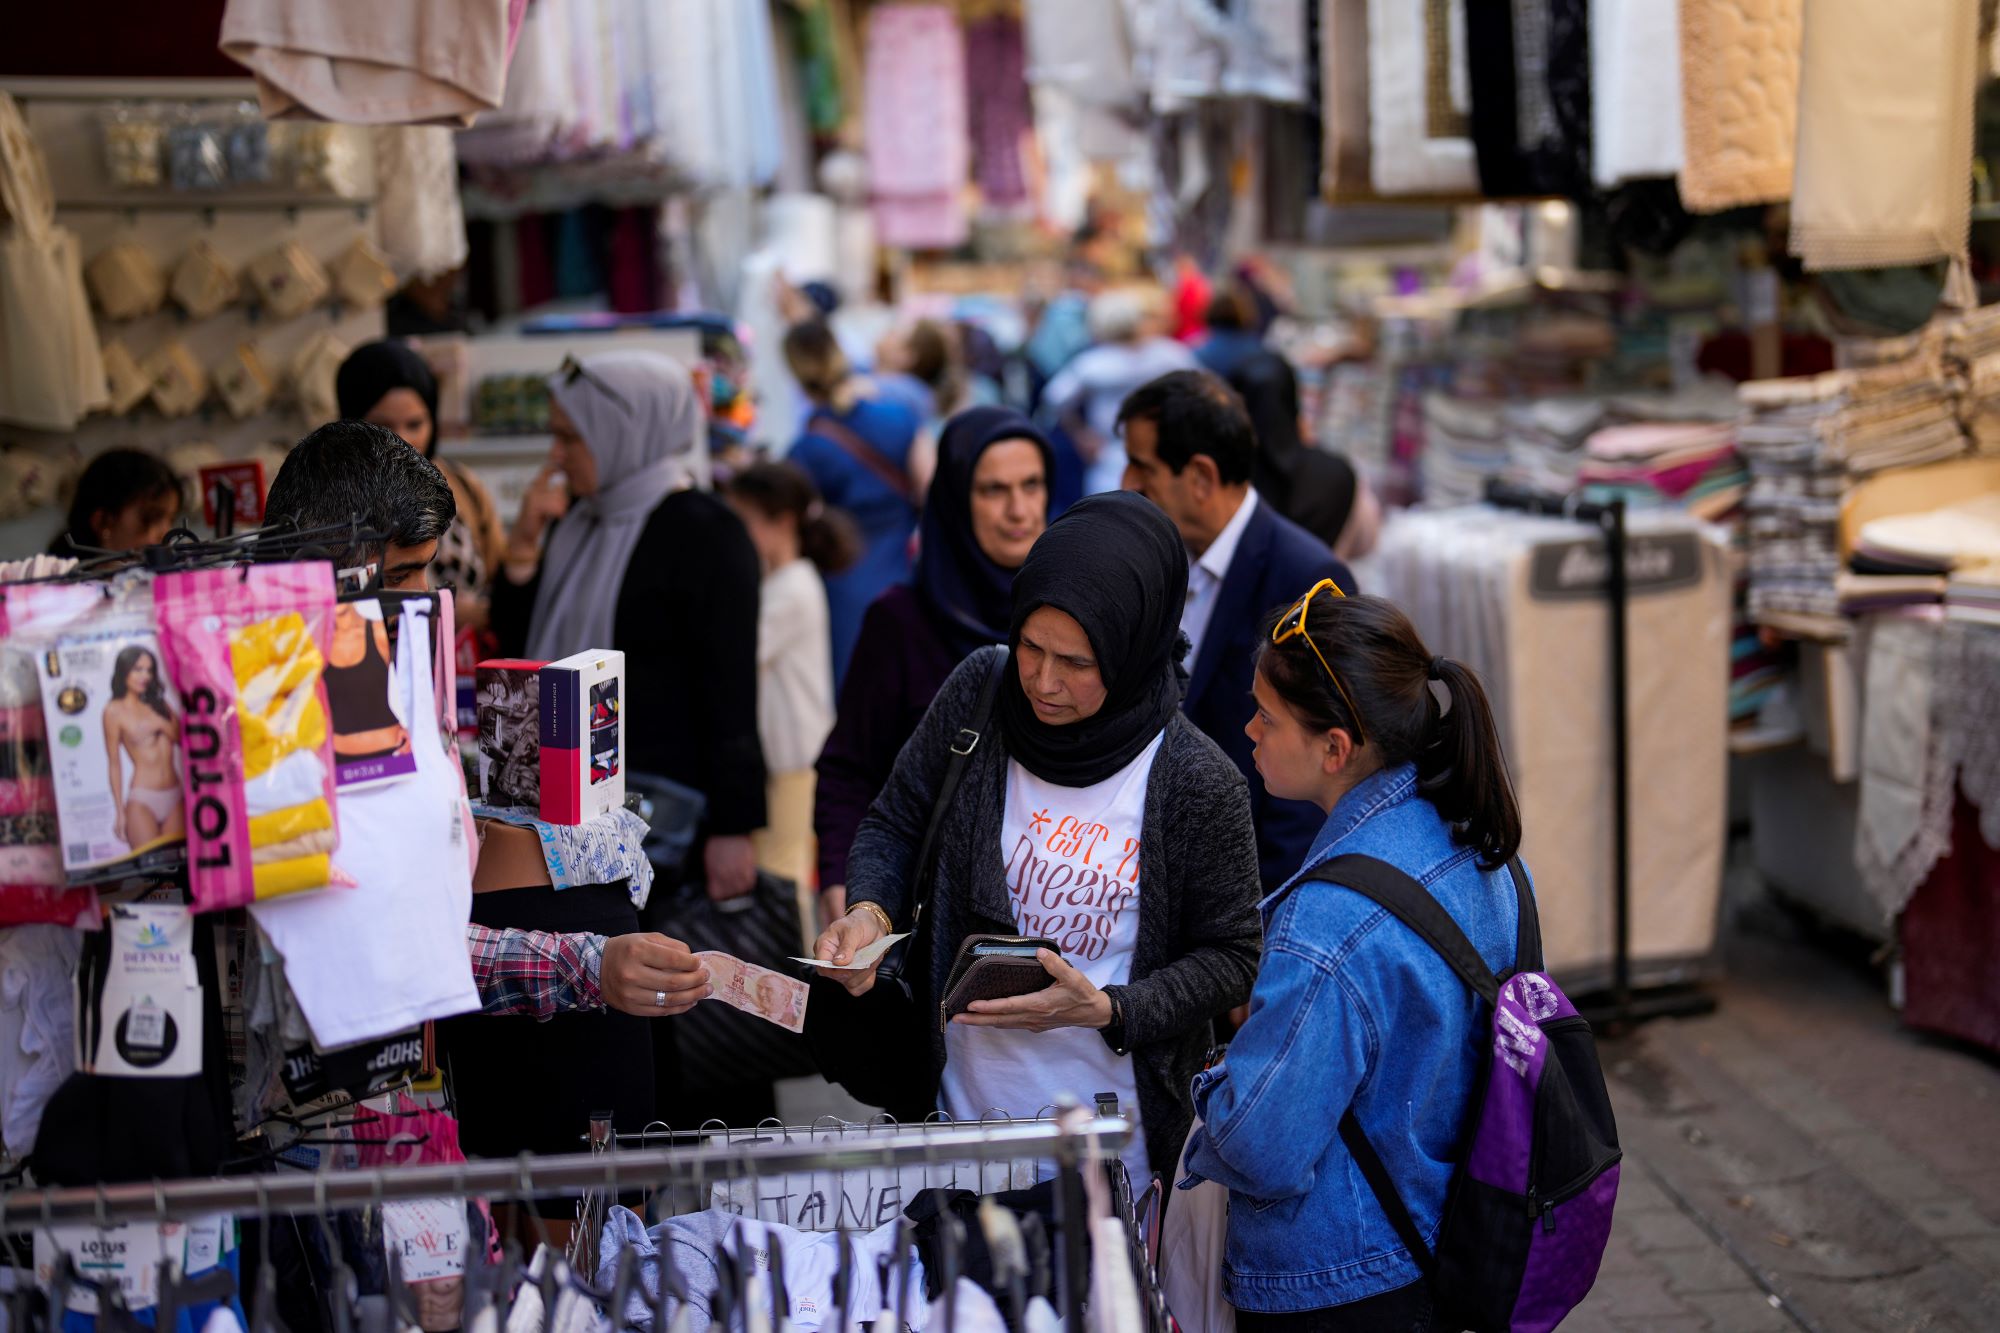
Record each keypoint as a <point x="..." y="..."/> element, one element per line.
<point x="990" y="978"/>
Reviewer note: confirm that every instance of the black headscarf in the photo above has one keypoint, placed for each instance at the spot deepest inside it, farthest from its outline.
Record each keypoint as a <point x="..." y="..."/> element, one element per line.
<point x="1312" y="487"/>
<point x="1116" y="564"/>
<point x="379" y="368"/>
<point x="968" y="597"/>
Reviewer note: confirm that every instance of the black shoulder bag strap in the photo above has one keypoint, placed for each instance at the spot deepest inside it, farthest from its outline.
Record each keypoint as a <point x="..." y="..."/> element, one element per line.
<point x="962" y="746"/>
<point x="1412" y="904"/>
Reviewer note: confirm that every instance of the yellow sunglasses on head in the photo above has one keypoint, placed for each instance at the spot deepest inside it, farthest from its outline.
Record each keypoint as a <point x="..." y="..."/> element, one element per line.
<point x="1292" y="625"/>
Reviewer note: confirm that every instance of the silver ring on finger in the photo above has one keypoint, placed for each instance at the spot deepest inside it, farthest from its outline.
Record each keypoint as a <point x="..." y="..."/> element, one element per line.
<point x="660" y="999"/>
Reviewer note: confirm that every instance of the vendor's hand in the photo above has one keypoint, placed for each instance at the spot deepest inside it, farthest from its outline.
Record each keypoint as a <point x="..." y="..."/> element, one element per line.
<point x="1071" y="1003"/>
<point x="842" y="940"/>
<point x="638" y="969"/>
<point x="731" y="866"/>
<point x="832" y="905"/>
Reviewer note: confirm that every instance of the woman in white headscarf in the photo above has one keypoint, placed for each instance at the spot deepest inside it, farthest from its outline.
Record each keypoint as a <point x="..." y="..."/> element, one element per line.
<point x="642" y="560"/>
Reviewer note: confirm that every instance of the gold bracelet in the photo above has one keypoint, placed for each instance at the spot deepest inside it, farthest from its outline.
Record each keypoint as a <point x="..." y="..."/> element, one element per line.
<point x="888" y="926"/>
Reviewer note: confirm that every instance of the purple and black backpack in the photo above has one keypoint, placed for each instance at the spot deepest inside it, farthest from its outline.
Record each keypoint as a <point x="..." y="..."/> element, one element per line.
<point x="1529" y="1211"/>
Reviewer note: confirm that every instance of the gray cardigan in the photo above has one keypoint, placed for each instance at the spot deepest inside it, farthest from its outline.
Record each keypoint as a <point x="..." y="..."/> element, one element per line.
<point x="1199" y="932"/>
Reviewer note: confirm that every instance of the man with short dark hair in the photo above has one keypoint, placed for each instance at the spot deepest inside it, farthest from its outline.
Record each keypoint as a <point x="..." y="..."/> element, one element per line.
<point x="1190" y="449"/>
<point x="351" y="473"/>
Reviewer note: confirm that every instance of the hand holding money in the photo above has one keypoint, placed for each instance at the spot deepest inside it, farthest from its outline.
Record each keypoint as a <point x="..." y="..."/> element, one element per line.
<point x="758" y="991"/>
<point x="844" y="943"/>
<point x="651" y="976"/>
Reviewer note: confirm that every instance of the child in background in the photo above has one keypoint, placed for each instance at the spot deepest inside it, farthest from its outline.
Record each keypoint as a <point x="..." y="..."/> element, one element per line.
<point x="800" y="541"/>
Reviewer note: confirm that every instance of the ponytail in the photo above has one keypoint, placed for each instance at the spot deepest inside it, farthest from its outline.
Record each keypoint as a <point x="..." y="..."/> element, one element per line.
<point x="817" y="362"/>
<point x="1381" y="670"/>
<point x="1464" y="772"/>
<point x="828" y="537"/>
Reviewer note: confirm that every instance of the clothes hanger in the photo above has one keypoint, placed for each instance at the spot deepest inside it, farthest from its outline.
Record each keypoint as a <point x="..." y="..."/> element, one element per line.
<point x="1010" y="1258"/>
<point x="843" y="1283"/>
<point x="905" y="1251"/>
<point x="721" y="1304"/>
<point x="781" y="1296"/>
<point x="621" y="1290"/>
<point x="264" y="1317"/>
<point x="952" y="1232"/>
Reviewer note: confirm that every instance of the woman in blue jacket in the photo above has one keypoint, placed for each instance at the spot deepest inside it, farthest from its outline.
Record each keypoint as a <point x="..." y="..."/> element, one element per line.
<point x="1351" y="1008"/>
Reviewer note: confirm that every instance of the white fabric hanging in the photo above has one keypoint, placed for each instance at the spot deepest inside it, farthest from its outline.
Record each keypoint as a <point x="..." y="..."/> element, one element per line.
<point x="1269" y="52"/>
<point x="1635" y="90"/>
<point x="417" y="201"/>
<point x="1405" y="159"/>
<point x="51" y="366"/>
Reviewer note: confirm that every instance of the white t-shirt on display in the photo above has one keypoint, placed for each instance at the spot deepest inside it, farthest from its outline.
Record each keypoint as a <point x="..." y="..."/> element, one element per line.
<point x="1072" y="857"/>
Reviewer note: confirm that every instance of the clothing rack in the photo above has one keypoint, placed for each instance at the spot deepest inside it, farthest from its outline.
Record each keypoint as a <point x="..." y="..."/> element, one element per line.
<point x="1066" y="1141"/>
<point x="1622" y="1010"/>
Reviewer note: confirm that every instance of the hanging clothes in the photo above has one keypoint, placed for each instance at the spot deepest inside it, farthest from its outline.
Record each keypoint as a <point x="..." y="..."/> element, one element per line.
<point x="373" y="62"/>
<point x="1886" y="101"/>
<point x="1418" y="98"/>
<point x="1530" y="71"/>
<point x="1270" y="52"/>
<point x="51" y="366"/>
<point x="1739" y="101"/>
<point x="1635" y="90"/>
<point x="417" y="202"/>
<point x="1000" y="117"/>
<point x="915" y="110"/>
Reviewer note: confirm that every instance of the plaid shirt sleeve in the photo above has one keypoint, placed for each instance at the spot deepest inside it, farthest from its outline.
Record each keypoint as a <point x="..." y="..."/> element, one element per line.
<point x="535" y="972"/>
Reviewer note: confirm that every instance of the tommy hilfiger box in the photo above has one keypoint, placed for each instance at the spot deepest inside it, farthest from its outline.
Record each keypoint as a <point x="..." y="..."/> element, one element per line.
<point x="582" y="728"/>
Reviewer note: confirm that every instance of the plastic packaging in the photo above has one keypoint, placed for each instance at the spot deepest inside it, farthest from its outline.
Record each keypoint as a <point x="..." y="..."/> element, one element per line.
<point x="32" y="889"/>
<point x="247" y="648"/>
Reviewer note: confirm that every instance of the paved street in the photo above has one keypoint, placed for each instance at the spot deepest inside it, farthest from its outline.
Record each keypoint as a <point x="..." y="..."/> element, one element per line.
<point x="1798" y="1159"/>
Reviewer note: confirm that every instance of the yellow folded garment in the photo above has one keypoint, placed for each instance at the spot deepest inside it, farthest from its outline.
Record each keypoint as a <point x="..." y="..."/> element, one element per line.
<point x="294" y="876"/>
<point x="277" y="668"/>
<point x="268" y="739"/>
<point x="291" y="822"/>
<point x="306" y="844"/>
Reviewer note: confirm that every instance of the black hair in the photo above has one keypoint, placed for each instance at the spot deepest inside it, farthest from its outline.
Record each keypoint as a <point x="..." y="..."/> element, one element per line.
<point x="1387" y="672"/>
<point x="155" y="696"/>
<point x="827" y="537"/>
<point x="116" y="480"/>
<point x="1196" y="413"/>
<point x="349" y="470"/>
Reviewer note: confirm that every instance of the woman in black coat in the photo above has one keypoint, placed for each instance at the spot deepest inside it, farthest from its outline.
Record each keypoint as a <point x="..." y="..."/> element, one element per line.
<point x="641" y="561"/>
<point x="1091" y="813"/>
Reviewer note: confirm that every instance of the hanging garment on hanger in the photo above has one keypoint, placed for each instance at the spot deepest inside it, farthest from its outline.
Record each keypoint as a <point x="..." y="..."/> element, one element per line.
<point x="1739" y="145"/>
<point x="390" y="952"/>
<point x="51" y="364"/>
<point x="915" y="113"/>
<point x="1530" y="72"/>
<point x="1635" y="90"/>
<point x="1268" y="51"/>
<point x="1886" y="105"/>
<point x="694" y="1242"/>
<point x="37" y="1026"/>
<point x="372" y="62"/>
<point x="1418" y="99"/>
<point x="1001" y="118"/>
<point x="417" y="201"/>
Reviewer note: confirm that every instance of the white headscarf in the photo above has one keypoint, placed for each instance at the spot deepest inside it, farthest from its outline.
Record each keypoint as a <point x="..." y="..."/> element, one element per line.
<point x="638" y="413"/>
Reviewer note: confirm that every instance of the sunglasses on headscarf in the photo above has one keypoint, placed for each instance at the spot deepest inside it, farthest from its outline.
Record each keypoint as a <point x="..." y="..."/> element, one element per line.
<point x="1292" y="625"/>
<point x="573" y="370"/>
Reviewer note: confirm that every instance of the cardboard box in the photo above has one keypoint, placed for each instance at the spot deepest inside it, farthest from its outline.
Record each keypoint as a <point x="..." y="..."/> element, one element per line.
<point x="582" y="728"/>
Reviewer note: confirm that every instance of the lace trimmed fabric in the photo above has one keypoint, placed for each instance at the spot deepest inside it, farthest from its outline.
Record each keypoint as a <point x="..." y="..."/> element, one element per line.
<point x="422" y="218"/>
<point x="1932" y="730"/>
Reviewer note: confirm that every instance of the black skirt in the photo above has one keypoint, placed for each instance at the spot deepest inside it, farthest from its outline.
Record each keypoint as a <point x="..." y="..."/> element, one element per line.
<point x="527" y="1086"/>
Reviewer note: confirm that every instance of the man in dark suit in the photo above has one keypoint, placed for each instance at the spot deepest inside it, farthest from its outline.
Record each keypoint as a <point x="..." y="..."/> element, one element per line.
<point x="1191" y="447"/>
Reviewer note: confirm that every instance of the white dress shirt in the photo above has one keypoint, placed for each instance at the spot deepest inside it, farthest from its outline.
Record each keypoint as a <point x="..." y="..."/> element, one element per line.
<point x="1205" y="576"/>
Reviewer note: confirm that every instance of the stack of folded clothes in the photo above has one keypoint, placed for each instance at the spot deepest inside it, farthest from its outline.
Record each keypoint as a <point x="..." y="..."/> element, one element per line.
<point x="1973" y="349"/>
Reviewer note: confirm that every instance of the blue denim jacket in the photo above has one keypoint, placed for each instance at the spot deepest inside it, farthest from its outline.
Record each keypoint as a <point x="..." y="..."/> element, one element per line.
<point x="1351" y="1007"/>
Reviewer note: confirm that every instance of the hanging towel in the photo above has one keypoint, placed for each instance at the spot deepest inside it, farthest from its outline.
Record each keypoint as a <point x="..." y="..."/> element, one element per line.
<point x="1635" y="90"/>
<point x="372" y="62"/>
<point x="1739" y="100"/>
<point x="51" y="364"/>
<point x="1529" y="68"/>
<point x="915" y="112"/>
<point x="1343" y="77"/>
<point x="1407" y="159"/>
<point x="1886" y="93"/>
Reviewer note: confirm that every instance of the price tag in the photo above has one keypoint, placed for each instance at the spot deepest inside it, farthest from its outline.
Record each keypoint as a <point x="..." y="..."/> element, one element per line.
<point x="146" y="1027"/>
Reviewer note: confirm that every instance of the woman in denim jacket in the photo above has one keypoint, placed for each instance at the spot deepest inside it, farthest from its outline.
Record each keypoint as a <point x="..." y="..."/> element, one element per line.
<point x="1351" y="1007"/>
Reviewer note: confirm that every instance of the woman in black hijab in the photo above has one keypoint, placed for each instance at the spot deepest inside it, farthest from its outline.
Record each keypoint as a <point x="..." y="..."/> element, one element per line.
<point x="1320" y="491"/>
<point x="388" y="384"/>
<point x="988" y="502"/>
<point x="1091" y="815"/>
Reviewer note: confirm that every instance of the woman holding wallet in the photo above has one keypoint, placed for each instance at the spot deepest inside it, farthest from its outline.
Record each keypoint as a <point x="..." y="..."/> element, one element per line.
<point x="1090" y="815"/>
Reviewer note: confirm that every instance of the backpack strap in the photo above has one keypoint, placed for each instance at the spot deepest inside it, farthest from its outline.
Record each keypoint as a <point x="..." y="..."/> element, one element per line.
<point x="826" y="426"/>
<point x="1411" y="903"/>
<point x="1527" y="922"/>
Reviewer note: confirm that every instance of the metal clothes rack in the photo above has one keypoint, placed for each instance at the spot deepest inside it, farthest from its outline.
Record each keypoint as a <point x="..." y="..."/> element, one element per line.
<point x="1620" y="1010"/>
<point x="1066" y="1141"/>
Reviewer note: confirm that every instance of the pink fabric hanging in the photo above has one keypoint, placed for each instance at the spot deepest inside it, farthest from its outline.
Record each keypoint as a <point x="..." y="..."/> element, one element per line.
<point x="915" y="118"/>
<point x="1000" y="113"/>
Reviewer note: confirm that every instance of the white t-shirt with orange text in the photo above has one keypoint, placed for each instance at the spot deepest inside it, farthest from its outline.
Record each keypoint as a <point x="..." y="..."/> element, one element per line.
<point x="1072" y="858"/>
